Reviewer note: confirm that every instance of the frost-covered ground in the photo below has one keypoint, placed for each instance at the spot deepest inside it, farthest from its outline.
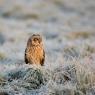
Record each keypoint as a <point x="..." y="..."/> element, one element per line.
<point x="68" y="31"/>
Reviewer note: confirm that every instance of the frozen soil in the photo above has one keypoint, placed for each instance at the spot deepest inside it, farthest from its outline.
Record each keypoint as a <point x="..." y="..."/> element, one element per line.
<point x="68" y="31"/>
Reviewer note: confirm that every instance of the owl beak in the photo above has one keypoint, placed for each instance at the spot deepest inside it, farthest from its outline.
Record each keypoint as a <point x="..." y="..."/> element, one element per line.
<point x="38" y="41"/>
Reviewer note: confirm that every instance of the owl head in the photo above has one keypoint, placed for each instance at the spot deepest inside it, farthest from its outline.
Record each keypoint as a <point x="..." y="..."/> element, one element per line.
<point x="35" y="40"/>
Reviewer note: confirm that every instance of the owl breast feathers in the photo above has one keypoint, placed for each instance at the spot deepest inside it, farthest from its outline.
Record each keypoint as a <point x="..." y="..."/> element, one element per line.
<point x="34" y="52"/>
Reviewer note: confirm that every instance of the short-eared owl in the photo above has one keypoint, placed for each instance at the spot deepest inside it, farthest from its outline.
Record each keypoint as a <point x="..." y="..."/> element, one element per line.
<point x="34" y="52"/>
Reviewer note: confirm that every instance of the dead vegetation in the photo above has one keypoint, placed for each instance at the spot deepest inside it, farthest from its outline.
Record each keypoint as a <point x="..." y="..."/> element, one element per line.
<point x="80" y="34"/>
<point x="2" y="56"/>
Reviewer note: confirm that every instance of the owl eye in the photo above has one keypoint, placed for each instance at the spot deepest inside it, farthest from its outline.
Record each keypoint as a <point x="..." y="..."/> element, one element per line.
<point x="35" y="39"/>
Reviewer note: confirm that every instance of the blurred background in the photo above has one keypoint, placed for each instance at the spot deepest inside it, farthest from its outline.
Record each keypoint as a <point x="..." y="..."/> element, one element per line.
<point x="53" y="19"/>
<point x="67" y="28"/>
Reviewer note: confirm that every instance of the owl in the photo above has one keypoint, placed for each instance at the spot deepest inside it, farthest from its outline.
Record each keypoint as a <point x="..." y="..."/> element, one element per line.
<point x="34" y="52"/>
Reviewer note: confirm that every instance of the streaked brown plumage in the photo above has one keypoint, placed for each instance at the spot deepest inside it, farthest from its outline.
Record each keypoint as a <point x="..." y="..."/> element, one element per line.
<point x="34" y="52"/>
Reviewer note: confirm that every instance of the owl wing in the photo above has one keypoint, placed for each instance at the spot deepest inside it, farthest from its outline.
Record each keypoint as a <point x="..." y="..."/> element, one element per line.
<point x="25" y="58"/>
<point x="43" y="58"/>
